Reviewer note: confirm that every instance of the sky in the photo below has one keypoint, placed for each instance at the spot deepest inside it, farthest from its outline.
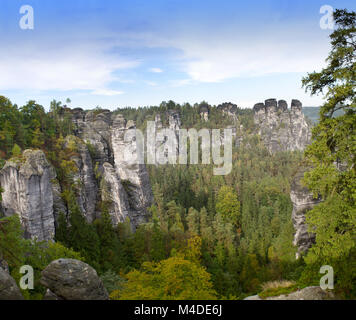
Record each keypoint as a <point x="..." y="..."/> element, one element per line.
<point x="118" y="53"/>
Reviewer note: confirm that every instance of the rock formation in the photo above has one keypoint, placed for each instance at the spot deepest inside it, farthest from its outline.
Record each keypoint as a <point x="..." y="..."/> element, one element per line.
<point x="69" y="279"/>
<point x="303" y="201"/>
<point x="84" y="178"/>
<point x="105" y="133"/>
<point x="308" y="293"/>
<point x="204" y="112"/>
<point x="28" y="193"/>
<point x="8" y="287"/>
<point x="229" y="109"/>
<point x="167" y="141"/>
<point x="32" y="192"/>
<point x="282" y="129"/>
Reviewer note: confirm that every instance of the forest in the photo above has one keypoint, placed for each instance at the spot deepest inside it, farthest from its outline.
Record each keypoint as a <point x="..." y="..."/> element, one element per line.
<point x="208" y="237"/>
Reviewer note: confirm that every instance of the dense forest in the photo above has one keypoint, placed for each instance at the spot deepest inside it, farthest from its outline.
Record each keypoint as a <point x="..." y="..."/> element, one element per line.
<point x="208" y="237"/>
<point x="237" y="227"/>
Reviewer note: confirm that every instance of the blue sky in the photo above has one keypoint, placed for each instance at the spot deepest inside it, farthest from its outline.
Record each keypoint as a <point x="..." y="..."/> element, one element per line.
<point x="136" y="53"/>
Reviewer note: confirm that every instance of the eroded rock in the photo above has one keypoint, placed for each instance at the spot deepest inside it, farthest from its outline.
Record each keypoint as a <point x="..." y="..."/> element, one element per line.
<point x="70" y="279"/>
<point x="8" y="287"/>
<point x="28" y="193"/>
<point x="303" y="201"/>
<point x="282" y="129"/>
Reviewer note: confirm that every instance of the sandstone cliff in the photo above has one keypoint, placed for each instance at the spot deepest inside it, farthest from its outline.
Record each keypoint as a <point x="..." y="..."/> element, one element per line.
<point x="28" y="193"/>
<point x="105" y="132"/>
<point x="282" y="129"/>
<point x="103" y="174"/>
<point x="303" y="201"/>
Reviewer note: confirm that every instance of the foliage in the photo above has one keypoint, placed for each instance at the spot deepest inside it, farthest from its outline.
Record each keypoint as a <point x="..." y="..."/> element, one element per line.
<point x="172" y="279"/>
<point x="332" y="153"/>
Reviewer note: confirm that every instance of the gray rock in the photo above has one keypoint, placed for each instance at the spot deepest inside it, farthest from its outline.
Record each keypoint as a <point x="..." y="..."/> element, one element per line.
<point x="229" y="109"/>
<point x="4" y="265"/>
<point x="282" y="105"/>
<point x="105" y="132"/>
<point x="308" y="293"/>
<point x="28" y="193"/>
<point x="303" y="201"/>
<point x="204" y="112"/>
<point x="256" y="297"/>
<point x="282" y="129"/>
<point x="49" y="295"/>
<point x="85" y="179"/>
<point x="131" y="171"/>
<point x="8" y="287"/>
<point x="271" y="103"/>
<point x="70" y="279"/>
<point x="115" y="195"/>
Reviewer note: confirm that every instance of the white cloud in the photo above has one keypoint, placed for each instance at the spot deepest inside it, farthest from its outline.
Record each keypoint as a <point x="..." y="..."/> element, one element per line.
<point x="224" y="55"/>
<point x="68" y="67"/>
<point x="151" y="83"/>
<point x="106" y="92"/>
<point x="156" y="70"/>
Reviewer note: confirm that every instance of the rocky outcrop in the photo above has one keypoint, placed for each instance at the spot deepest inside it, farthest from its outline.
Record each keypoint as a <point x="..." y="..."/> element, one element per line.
<point x="114" y="194"/>
<point x="303" y="201"/>
<point x="282" y="129"/>
<point x="229" y="109"/>
<point x="4" y="265"/>
<point x="84" y="178"/>
<point x="58" y="203"/>
<point x="104" y="133"/>
<point x="204" y="112"/>
<point x="131" y="170"/>
<point x="8" y="287"/>
<point x="70" y="279"/>
<point x="308" y="293"/>
<point x="167" y="138"/>
<point x="28" y="193"/>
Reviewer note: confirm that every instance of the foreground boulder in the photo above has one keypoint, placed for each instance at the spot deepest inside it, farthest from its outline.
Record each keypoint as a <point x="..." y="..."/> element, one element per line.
<point x="70" y="279"/>
<point x="308" y="293"/>
<point x="8" y="287"/>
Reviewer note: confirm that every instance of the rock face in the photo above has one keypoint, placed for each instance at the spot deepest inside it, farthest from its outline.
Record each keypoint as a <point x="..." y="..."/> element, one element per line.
<point x="84" y="178"/>
<point x="204" y="112"/>
<point x="105" y="133"/>
<point x="28" y="193"/>
<point x="308" y="293"/>
<point x="303" y="201"/>
<point x="282" y="129"/>
<point x="229" y="109"/>
<point x="8" y="287"/>
<point x="167" y="139"/>
<point x="70" y="279"/>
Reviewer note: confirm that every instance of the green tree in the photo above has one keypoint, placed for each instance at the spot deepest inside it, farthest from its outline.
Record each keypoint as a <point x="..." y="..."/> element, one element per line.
<point x="332" y="153"/>
<point x="173" y="279"/>
<point x="228" y="205"/>
<point x="16" y="151"/>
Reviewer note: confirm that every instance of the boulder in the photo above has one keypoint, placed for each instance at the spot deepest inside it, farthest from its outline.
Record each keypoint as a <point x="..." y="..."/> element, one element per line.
<point x="308" y="293"/>
<point x="70" y="279"/>
<point x="8" y="287"/>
